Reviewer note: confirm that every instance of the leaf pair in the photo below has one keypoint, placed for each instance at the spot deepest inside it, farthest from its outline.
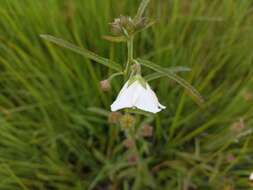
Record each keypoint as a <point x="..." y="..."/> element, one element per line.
<point x="160" y="72"/>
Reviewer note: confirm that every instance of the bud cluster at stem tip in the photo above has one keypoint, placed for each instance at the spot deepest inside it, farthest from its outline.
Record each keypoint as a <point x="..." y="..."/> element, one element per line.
<point x="127" y="121"/>
<point x="125" y="25"/>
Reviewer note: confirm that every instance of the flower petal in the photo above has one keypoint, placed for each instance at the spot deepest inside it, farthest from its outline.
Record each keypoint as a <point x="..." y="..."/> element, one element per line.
<point x="148" y="101"/>
<point x="251" y="177"/>
<point x="124" y="99"/>
<point x="155" y="97"/>
<point x="135" y="95"/>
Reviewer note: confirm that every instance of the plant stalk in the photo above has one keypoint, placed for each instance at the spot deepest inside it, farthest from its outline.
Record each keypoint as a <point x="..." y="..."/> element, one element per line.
<point x="130" y="55"/>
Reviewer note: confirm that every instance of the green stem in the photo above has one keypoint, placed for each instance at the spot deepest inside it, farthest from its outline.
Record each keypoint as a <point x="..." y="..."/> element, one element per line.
<point x="130" y="55"/>
<point x="115" y="75"/>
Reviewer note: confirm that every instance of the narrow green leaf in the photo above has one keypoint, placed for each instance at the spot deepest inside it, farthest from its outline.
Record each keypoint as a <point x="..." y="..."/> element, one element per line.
<point x="189" y="89"/>
<point x="151" y="23"/>
<point x="154" y="76"/>
<point x="141" y="9"/>
<point x="115" y="38"/>
<point x="99" y="111"/>
<point x="86" y="53"/>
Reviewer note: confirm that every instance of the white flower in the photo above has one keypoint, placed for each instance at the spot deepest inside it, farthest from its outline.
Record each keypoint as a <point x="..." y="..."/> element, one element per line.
<point x="136" y="93"/>
<point x="251" y="177"/>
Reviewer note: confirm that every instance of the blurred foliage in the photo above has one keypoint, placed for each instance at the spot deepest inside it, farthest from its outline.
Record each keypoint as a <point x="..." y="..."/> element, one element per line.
<point x="54" y="130"/>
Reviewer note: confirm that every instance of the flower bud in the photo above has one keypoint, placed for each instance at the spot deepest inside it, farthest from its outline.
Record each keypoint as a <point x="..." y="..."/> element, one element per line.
<point x="116" y="27"/>
<point x="122" y="23"/>
<point x="247" y="96"/>
<point x="127" y="23"/>
<point x="238" y="127"/>
<point x="127" y="121"/>
<point x="146" y="131"/>
<point x="136" y="68"/>
<point x="141" y="23"/>
<point x="105" y="85"/>
<point x="132" y="159"/>
<point x="230" y="158"/>
<point x="128" y="143"/>
<point x="114" y="117"/>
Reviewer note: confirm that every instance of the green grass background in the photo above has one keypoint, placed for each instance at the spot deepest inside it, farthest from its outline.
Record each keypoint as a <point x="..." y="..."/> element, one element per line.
<point x="54" y="133"/>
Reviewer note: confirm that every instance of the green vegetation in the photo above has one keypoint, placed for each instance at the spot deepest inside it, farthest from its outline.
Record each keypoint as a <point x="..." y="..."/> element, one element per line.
<point x="54" y="129"/>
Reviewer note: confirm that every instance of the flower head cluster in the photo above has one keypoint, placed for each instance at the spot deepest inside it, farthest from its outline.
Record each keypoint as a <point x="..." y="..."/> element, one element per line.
<point x="126" y="25"/>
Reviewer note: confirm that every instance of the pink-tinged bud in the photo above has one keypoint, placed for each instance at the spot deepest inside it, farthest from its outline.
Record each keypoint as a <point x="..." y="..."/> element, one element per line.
<point x="238" y="127"/>
<point x="127" y="121"/>
<point x="129" y="143"/>
<point x="141" y="23"/>
<point x="116" y="27"/>
<point x="122" y="23"/>
<point x="132" y="159"/>
<point x="114" y="117"/>
<point x="136" y="68"/>
<point x="247" y="96"/>
<point x="230" y="158"/>
<point x="105" y="85"/>
<point x="146" y="131"/>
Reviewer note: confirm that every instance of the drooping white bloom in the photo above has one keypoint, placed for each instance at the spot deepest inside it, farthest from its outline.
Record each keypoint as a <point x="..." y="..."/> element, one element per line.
<point x="136" y="93"/>
<point x="251" y="177"/>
